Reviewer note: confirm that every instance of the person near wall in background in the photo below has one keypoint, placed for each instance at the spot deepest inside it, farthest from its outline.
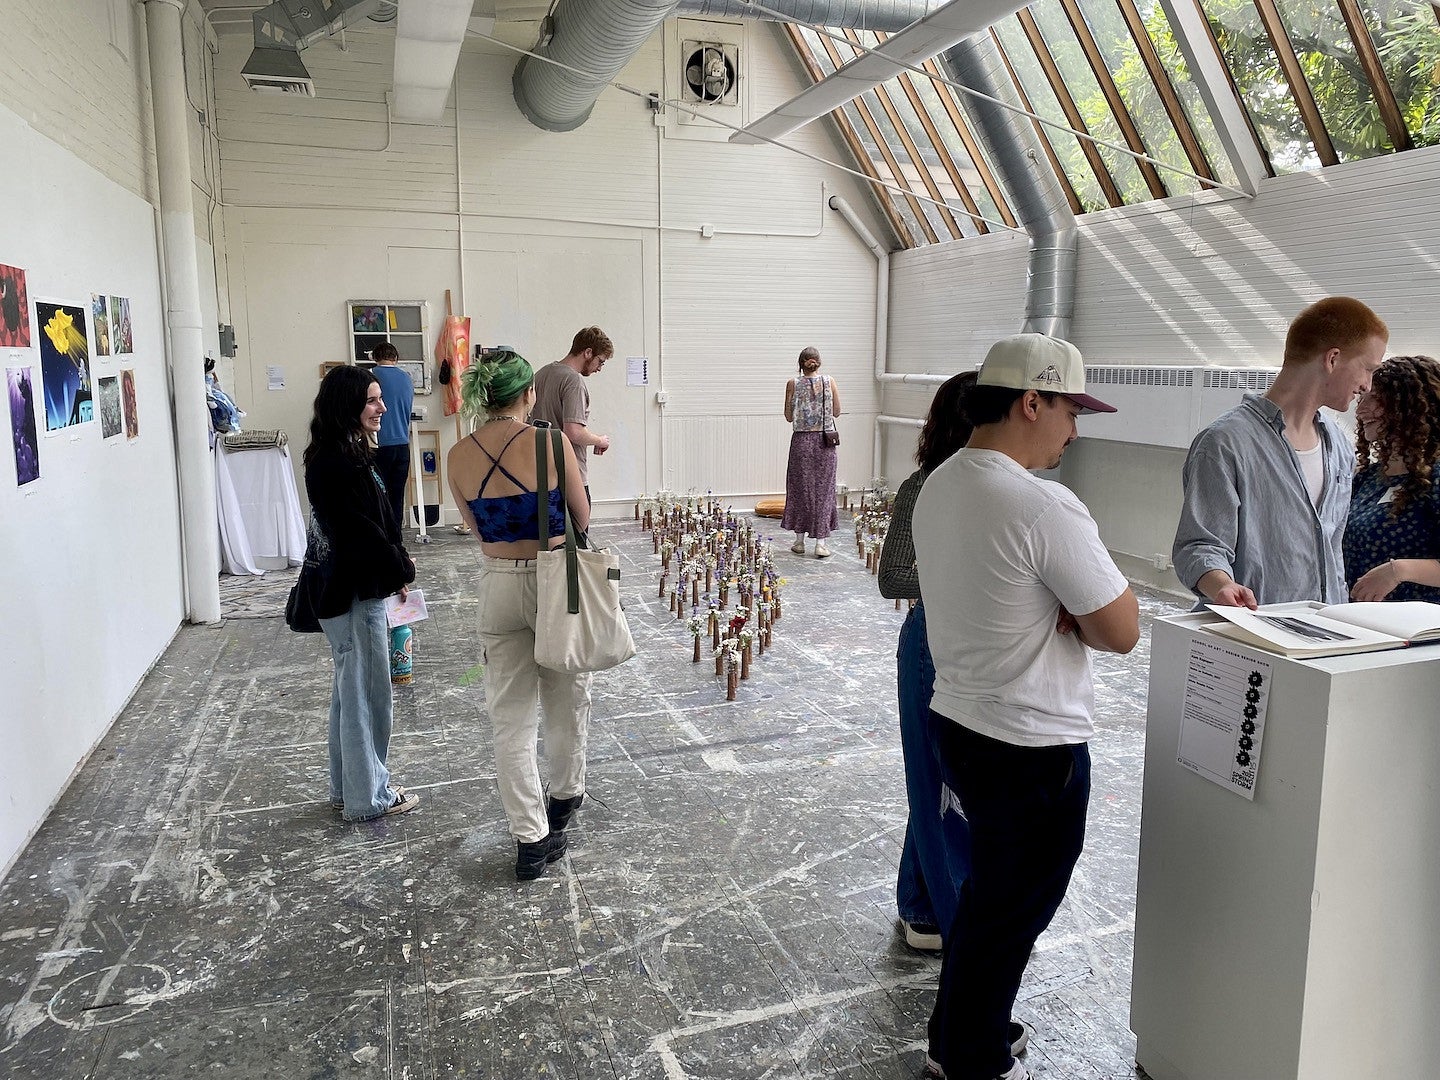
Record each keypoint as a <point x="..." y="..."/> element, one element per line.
<point x="351" y="524"/>
<point x="392" y="454"/>
<point x="936" y="851"/>
<point x="562" y="399"/>
<point x="497" y="481"/>
<point x="1018" y="589"/>
<point x="812" y="401"/>
<point x="1267" y="485"/>
<point x="1392" y="539"/>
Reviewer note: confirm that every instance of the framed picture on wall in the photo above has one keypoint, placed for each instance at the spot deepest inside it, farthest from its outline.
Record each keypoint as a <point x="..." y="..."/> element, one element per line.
<point x="401" y="323"/>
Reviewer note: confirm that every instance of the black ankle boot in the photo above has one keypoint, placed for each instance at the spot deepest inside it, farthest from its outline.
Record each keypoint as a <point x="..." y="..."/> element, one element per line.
<point x="530" y="859"/>
<point x="560" y="811"/>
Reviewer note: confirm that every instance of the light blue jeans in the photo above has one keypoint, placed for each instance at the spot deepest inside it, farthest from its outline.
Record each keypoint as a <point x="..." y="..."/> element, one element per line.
<point x="361" y="709"/>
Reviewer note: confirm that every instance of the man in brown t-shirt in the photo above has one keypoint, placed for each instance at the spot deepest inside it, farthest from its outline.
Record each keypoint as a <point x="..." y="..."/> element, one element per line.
<point x="562" y="399"/>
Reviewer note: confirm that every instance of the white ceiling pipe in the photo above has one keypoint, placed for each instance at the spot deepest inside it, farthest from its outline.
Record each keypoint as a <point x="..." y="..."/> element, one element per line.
<point x="882" y="299"/>
<point x="877" y="463"/>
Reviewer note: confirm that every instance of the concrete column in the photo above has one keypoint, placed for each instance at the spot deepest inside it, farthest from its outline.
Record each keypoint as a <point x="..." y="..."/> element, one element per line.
<point x="200" y="533"/>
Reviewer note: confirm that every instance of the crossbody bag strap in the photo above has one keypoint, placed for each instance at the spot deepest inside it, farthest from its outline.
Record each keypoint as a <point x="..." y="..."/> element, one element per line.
<point x="572" y="557"/>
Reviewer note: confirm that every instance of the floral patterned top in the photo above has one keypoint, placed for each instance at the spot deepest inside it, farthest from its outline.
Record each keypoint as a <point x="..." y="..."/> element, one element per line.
<point x="1373" y="535"/>
<point x="811" y="404"/>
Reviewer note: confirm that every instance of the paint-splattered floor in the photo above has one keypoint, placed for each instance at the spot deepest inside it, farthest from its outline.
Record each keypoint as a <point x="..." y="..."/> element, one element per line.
<point x="193" y="906"/>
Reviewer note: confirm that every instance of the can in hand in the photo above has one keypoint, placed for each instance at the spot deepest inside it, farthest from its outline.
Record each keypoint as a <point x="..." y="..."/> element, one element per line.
<point x="400" y="666"/>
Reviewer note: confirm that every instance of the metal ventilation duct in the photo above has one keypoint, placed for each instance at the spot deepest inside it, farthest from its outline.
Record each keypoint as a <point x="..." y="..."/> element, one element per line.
<point x="600" y="36"/>
<point x="285" y="27"/>
<point x="1035" y="191"/>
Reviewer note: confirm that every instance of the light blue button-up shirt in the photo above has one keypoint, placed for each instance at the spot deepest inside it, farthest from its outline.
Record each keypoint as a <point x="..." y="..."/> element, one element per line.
<point x="1247" y="512"/>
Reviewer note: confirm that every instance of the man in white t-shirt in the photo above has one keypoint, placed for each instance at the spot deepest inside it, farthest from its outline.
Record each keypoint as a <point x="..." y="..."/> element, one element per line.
<point x="1018" y="589"/>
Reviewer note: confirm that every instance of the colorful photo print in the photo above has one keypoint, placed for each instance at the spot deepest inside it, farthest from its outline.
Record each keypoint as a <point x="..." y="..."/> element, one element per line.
<point x="64" y="365"/>
<point x="110" y="421"/>
<point x="22" y="425"/>
<point x="120" y="337"/>
<point x="367" y="319"/>
<point x="100" y="323"/>
<point x="128" y="404"/>
<point x="14" y="309"/>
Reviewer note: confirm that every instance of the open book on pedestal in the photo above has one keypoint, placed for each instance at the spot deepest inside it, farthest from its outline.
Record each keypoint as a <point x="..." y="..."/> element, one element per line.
<point x="1310" y="629"/>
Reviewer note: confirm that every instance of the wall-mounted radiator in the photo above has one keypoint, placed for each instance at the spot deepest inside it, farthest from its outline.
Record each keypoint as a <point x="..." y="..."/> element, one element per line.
<point x="1165" y="406"/>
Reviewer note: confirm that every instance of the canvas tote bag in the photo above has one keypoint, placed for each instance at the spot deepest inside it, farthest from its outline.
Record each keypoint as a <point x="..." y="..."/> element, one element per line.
<point x="579" y="625"/>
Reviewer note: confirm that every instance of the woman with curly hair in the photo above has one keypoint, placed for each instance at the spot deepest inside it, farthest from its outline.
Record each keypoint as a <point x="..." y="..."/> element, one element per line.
<point x="498" y="480"/>
<point x="1392" y="539"/>
<point x="934" y="860"/>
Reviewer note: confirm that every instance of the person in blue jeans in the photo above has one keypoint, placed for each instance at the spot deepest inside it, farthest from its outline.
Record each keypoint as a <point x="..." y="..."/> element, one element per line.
<point x="936" y="852"/>
<point x="356" y="539"/>
<point x="392" y="443"/>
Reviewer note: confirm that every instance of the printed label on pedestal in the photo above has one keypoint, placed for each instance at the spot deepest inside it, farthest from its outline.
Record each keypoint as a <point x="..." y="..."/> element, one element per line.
<point x="1222" y="720"/>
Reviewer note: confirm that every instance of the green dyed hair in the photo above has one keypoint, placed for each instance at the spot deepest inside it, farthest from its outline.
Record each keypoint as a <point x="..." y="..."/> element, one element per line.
<point x="494" y="381"/>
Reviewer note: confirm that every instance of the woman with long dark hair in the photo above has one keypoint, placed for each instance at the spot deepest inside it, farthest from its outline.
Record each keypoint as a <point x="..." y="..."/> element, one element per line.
<point x="498" y="481"/>
<point x="1392" y="537"/>
<point x="811" y="404"/>
<point x="934" y="859"/>
<point x="356" y="536"/>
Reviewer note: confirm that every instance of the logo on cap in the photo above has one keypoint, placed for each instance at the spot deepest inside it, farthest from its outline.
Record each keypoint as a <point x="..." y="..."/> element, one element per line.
<point x="1050" y="376"/>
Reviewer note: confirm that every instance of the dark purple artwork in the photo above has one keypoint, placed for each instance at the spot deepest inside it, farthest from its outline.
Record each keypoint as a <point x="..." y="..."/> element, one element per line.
<point x="22" y="424"/>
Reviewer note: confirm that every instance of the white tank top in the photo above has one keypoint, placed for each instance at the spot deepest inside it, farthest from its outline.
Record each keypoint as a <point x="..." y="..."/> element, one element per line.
<point x="1312" y="467"/>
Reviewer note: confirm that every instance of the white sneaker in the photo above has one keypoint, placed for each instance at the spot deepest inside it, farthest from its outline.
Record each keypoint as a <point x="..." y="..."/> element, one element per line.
<point x="1019" y="1041"/>
<point x="821" y="551"/>
<point x="923" y="938"/>
<point x="798" y="547"/>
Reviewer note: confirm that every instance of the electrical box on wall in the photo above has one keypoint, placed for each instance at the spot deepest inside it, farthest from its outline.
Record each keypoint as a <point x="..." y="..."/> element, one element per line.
<point x="706" y="75"/>
<point x="227" y="340"/>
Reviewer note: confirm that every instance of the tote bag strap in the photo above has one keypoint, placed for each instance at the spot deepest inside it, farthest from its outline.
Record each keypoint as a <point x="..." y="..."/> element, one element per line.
<point x="542" y="516"/>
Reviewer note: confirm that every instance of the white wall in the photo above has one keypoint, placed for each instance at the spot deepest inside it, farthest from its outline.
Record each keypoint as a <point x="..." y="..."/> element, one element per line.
<point x="93" y="590"/>
<point x="1207" y="280"/>
<point x="600" y="225"/>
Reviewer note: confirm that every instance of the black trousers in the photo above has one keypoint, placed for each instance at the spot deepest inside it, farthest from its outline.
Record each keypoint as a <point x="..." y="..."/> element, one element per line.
<point x="393" y="465"/>
<point x="1026" y="810"/>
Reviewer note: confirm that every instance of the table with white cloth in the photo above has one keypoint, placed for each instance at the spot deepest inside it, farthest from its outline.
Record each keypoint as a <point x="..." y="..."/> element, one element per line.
<point x="261" y="527"/>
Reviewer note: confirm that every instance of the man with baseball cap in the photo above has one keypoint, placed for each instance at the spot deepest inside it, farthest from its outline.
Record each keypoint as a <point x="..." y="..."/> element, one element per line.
<point x="1018" y="589"/>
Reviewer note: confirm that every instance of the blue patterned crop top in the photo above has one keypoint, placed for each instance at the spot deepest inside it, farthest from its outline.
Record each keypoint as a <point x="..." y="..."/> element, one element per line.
<point x="505" y="519"/>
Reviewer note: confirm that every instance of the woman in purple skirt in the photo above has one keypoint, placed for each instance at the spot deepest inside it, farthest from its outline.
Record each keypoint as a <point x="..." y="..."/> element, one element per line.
<point x="811" y="404"/>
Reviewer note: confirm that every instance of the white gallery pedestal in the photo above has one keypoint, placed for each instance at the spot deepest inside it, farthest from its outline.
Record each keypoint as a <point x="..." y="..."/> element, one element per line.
<point x="1295" y="937"/>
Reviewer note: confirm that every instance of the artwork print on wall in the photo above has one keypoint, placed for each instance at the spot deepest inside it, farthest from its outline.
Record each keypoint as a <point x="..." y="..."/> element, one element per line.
<point x="22" y="425"/>
<point x="121" y="340"/>
<point x="100" y="323"/>
<point x="14" y="309"/>
<point x="64" y="365"/>
<point x="110" y="421"/>
<point x="128" y="403"/>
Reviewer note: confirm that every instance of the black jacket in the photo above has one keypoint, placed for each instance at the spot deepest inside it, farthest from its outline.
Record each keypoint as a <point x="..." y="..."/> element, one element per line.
<point x="369" y="559"/>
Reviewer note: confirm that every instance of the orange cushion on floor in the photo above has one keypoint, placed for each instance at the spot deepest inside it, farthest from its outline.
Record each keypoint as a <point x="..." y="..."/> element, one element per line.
<point x="770" y="507"/>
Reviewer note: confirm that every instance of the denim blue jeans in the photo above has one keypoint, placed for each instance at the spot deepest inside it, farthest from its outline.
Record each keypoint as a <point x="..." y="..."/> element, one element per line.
<point x="361" y="709"/>
<point x="1026" y="807"/>
<point x="936" y="856"/>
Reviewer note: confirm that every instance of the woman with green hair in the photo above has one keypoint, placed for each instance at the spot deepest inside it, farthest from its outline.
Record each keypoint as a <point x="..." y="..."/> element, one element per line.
<point x="497" y="480"/>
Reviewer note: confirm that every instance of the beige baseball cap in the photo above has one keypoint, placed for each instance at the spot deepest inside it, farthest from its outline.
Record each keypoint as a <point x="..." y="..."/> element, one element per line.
<point x="1039" y="362"/>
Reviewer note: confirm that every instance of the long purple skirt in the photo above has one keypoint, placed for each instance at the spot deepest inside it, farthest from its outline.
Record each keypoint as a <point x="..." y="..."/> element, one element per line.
<point x="810" y="486"/>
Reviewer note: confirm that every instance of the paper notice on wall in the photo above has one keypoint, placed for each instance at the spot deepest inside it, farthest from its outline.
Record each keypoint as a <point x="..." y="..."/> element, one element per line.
<point x="274" y="377"/>
<point x="1227" y="689"/>
<point x="637" y="370"/>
